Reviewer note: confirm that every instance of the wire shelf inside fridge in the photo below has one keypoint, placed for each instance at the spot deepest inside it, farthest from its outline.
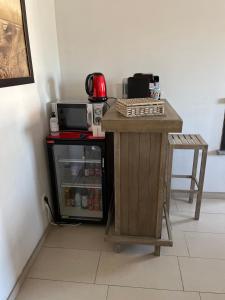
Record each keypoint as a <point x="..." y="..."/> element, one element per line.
<point x="82" y="186"/>
<point x="82" y="161"/>
<point x="84" y="182"/>
<point x="80" y="212"/>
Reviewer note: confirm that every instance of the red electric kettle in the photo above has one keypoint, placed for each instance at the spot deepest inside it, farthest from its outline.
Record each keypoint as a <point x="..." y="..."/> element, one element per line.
<point x="95" y="86"/>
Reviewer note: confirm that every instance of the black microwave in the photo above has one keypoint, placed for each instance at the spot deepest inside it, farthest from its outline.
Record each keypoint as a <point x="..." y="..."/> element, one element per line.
<point x="76" y="116"/>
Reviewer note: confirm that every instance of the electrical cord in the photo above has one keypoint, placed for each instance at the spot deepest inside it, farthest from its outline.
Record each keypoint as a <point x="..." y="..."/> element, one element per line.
<point x="48" y="206"/>
<point x="106" y="102"/>
<point x="49" y="210"/>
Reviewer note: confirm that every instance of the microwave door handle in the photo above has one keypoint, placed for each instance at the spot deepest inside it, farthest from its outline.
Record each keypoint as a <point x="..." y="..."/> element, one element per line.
<point x="90" y="117"/>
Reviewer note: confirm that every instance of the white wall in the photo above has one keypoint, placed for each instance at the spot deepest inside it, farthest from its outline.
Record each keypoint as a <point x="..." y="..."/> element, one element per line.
<point x="182" y="41"/>
<point x="23" y="125"/>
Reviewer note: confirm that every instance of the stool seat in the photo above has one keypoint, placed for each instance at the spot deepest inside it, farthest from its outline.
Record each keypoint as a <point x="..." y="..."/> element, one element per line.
<point x="186" y="141"/>
<point x="192" y="142"/>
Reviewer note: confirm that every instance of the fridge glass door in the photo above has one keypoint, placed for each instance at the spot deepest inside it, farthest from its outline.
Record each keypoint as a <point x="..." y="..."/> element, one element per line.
<point x="79" y="181"/>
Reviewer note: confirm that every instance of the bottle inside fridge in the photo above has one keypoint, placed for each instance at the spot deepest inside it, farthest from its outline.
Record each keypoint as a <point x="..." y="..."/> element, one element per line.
<point x="83" y="199"/>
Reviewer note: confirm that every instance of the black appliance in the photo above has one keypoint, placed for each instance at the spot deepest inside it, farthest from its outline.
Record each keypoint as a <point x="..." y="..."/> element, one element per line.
<point x="80" y="180"/>
<point x="140" y="85"/>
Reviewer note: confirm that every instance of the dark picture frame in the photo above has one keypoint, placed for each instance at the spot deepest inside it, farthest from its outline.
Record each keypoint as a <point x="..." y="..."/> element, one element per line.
<point x="29" y="78"/>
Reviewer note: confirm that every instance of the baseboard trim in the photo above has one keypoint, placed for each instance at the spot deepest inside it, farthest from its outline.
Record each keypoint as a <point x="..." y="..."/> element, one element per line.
<point x="207" y="195"/>
<point x="23" y="275"/>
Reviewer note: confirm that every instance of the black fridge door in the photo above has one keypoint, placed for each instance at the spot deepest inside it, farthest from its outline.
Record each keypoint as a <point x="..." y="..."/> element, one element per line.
<point x="79" y="181"/>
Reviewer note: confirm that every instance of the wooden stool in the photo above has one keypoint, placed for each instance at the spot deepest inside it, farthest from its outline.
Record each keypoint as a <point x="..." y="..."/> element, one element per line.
<point x="193" y="142"/>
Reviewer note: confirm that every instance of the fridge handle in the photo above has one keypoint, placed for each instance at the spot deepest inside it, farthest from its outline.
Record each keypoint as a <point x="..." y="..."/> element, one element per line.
<point x="103" y="163"/>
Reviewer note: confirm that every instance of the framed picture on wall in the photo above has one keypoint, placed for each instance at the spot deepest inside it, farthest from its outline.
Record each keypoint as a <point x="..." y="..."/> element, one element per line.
<point x="15" y="57"/>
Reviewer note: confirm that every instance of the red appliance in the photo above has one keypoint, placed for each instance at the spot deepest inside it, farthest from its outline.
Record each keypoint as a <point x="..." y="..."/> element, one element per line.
<point x="95" y="86"/>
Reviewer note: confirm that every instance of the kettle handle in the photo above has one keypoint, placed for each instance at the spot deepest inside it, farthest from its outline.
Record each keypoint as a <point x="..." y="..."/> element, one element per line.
<point x="89" y="80"/>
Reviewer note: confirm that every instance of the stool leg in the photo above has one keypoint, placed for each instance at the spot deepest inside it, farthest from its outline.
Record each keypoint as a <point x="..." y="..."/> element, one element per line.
<point x="201" y="182"/>
<point x="194" y="171"/>
<point x="169" y="176"/>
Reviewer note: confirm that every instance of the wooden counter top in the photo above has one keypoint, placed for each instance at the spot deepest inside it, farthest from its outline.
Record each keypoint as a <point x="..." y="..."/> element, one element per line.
<point x="113" y="121"/>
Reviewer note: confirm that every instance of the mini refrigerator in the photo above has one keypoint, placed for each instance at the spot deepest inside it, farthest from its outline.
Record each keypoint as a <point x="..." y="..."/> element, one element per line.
<point x="78" y="177"/>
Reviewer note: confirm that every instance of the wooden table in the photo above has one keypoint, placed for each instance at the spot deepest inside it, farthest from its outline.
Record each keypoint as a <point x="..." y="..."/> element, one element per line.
<point x="140" y="153"/>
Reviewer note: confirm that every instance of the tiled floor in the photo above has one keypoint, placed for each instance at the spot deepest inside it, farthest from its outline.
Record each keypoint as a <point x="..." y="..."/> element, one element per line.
<point x="76" y="264"/>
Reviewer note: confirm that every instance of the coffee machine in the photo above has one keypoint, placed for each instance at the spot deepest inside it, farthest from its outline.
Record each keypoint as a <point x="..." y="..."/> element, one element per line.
<point x="141" y="86"/>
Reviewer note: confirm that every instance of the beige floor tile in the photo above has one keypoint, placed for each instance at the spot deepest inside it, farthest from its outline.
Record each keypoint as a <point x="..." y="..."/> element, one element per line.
<point x="65" y="264"/>
<point x="179" y="244"/>
<point x="212" y="223"/>
<point x="183" y="205"/>
<point x="208" y="205"/>
<point x="204" y="275"/>
<point x="206" y="296"/>
<point x="206" y="245"/>
<point x="85" y="237"/>
<point x="139" y="271"/>
<point x="124" y="293"/>
<point x="34" y="289"/>
<point x="173" y="205"/>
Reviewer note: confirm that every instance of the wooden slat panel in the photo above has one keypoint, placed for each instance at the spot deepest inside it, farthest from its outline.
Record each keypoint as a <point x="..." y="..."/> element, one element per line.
<point x="148" y="185"/>
<point x="133" y="158"/>
<point x="177" y="140"/>
<point x="144" y="209"/>
<point x="154" y="182"/>
<point x="189" y="139"/>
<point x="173" y="138"/>
<point x="161" y="192"/>
<point x="183" y="139"/>
<point x="186" y="141"/>
<point x="117" y="181"/>
<point x="124" y="189"/>
<point x="169" y="164"/>
<point x="196" y="141"/>
<point x="201" y="140"/>
<point x="139" y="183"/>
